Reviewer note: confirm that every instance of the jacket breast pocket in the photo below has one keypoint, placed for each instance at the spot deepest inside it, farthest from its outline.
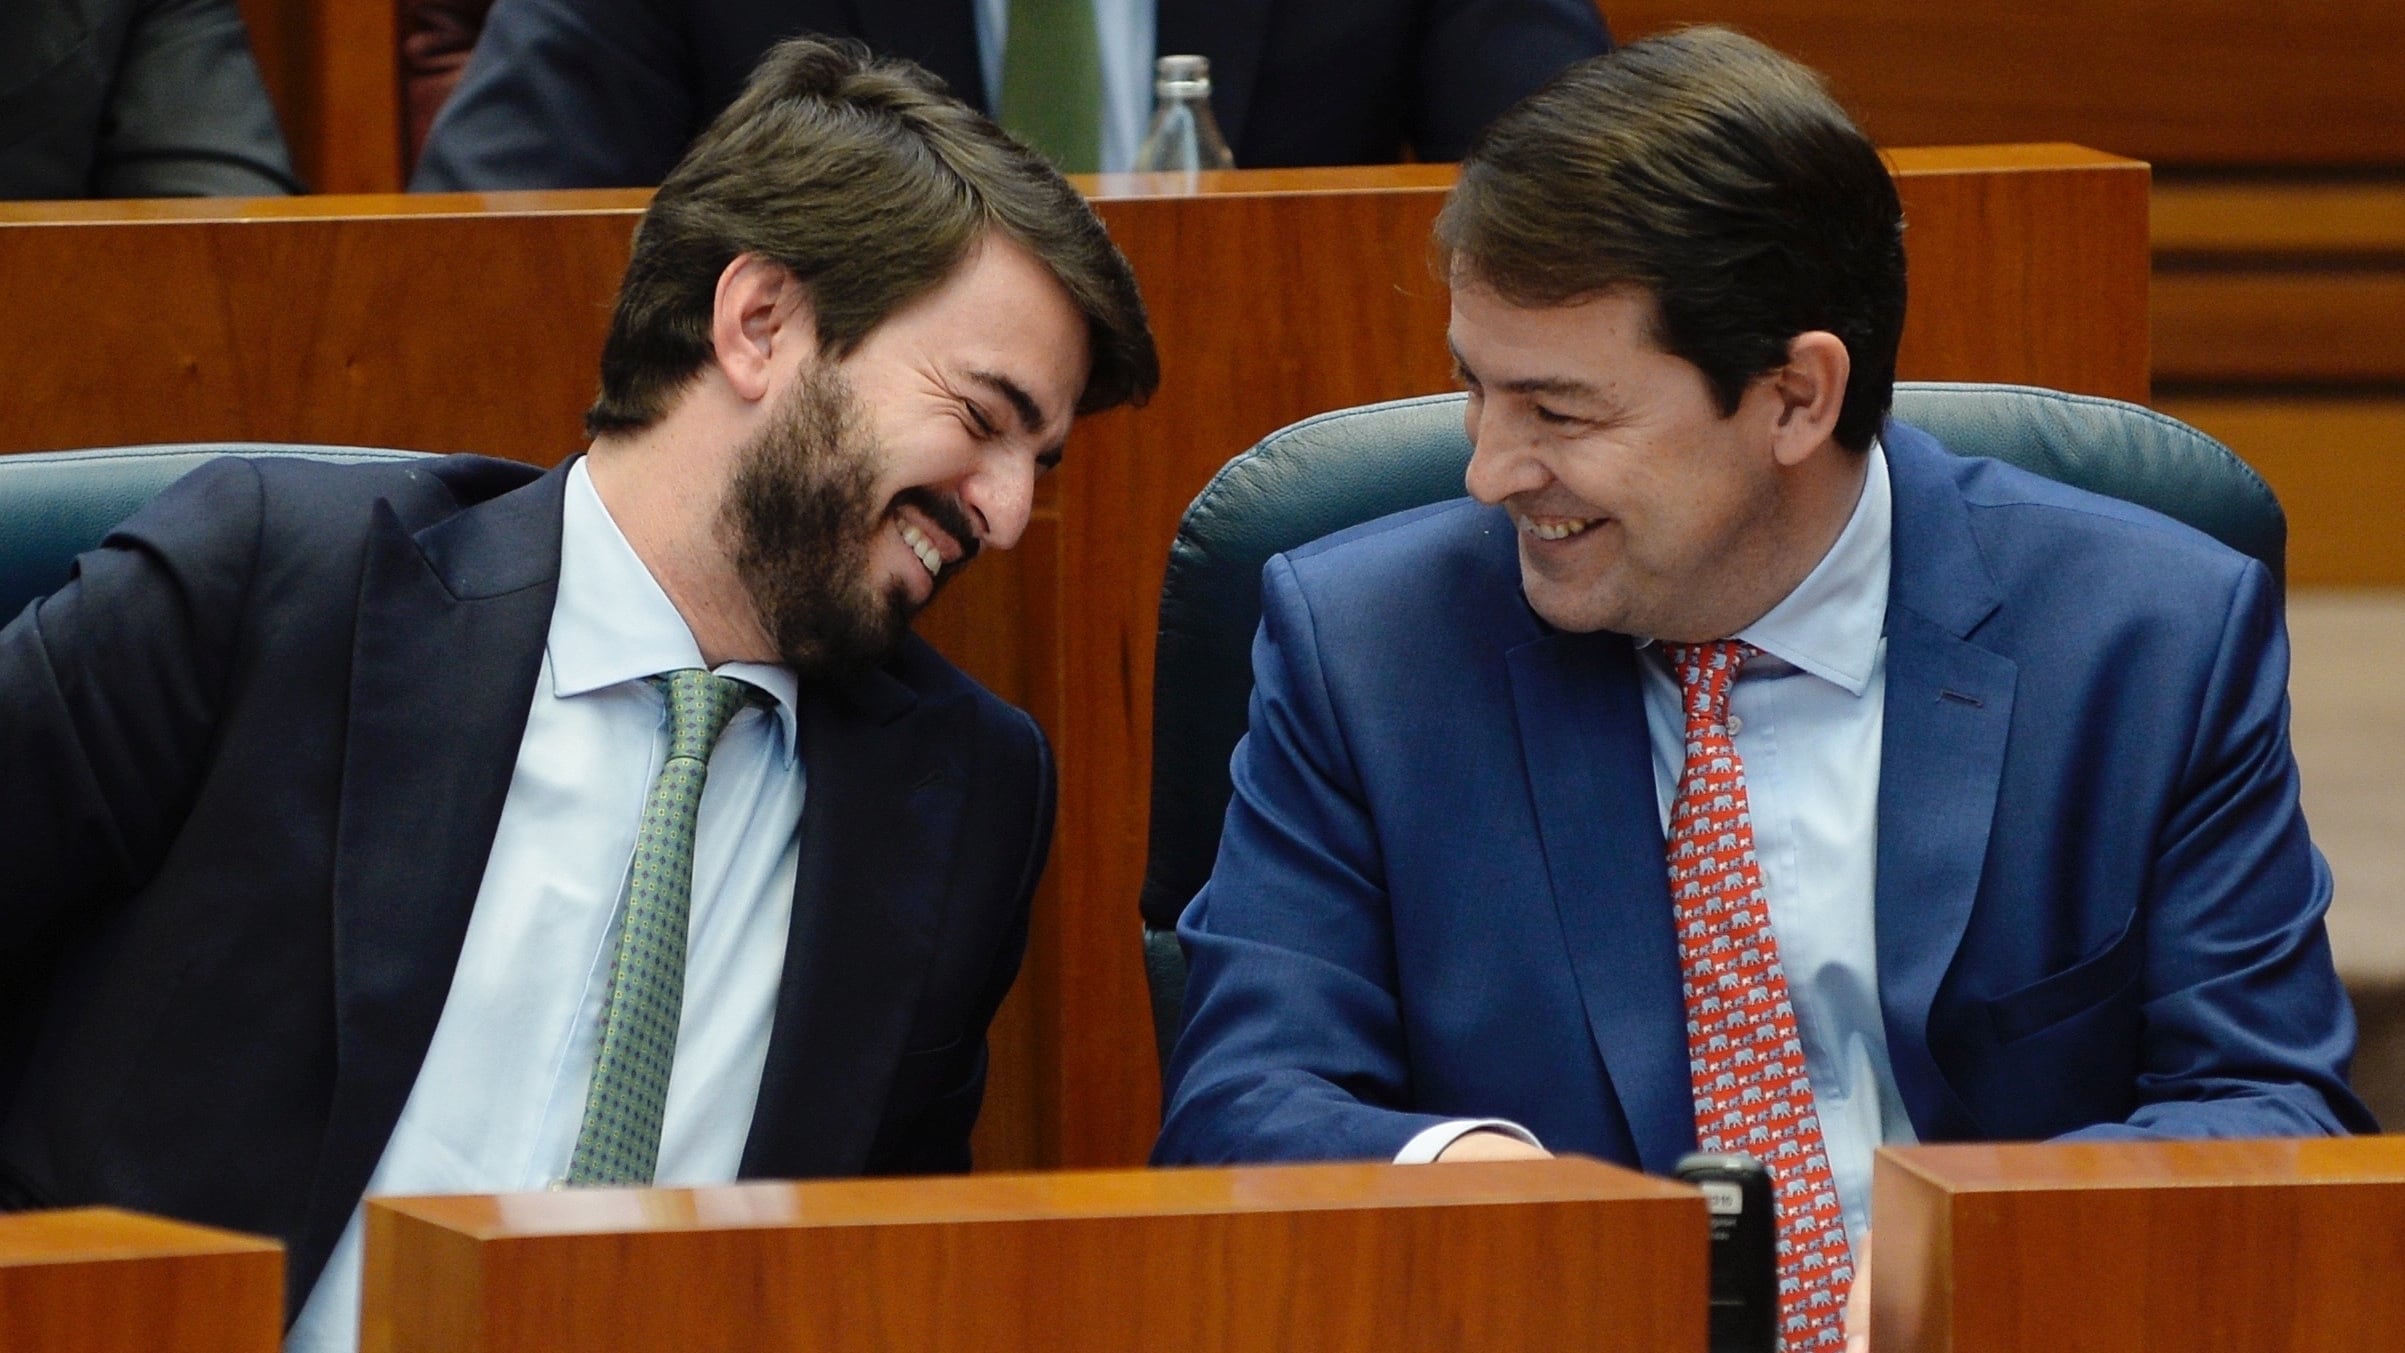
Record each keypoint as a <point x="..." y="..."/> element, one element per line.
<point x="2083" y="986"/>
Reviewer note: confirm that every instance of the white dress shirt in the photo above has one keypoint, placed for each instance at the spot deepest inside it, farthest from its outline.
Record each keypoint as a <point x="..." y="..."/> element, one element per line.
<point x="1124" y="31"/>
<point x="499" y="1100"/>
<point x="1806" y="718"/>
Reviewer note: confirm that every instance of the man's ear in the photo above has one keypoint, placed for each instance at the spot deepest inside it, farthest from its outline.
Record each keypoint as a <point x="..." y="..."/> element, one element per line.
<point x="760" y="312"/>
<point x="1810" y="390"/>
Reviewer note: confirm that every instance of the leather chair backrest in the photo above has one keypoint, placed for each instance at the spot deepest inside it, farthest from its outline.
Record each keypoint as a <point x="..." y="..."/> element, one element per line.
<point x="54" y="505"/>
<point x="1329" y="472"/>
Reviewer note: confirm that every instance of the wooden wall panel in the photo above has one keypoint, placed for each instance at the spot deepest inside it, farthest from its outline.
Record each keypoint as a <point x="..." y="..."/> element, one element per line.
<point x="2288" y="218"/>
<point x="2291" y="326"/>
<point x="332" y="68"/>
<point x="2025" y="259"/>
<point x="2336" y="460"/>
<point x="1336" y="306"/>
<point x="2279" y="320"/>
<point x="435" y="323"/>
<point x="98" y="1280"/>
<point x="2210" y="82"/>
<point x="475" y="322"/>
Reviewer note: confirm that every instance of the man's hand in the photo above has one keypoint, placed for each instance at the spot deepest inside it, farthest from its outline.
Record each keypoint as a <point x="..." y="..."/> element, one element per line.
<point x="1858" y="1300"/>
<point x="1488" y="1144"/>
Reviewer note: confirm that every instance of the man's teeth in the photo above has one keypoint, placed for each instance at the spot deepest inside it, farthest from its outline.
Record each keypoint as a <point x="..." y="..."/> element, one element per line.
<point x="919" y="545"/>
<point x="1559" y="528"/>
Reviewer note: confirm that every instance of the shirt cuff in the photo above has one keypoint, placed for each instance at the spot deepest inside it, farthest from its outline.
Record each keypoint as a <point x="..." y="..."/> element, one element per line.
<point x="1431" y="1143"/>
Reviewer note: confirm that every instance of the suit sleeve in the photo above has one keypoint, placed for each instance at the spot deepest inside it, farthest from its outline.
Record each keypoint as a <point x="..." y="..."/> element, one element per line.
<point x="187" y="115"/>
<point x="1293" y="1041"/>
<point x="1479" y="57"/>
<point x="109" y="691"/>
<point x="2248" y="1031"/>
<point x="566" y="94"/>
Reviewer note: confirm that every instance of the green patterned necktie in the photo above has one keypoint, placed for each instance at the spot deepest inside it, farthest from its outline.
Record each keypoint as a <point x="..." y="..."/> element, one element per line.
<point x="620" y="1140"/>
<point x="1052" y="81"/>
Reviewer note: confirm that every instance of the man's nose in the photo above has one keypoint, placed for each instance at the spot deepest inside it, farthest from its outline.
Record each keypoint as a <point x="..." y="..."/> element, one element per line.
<point x="1000" y="497"/>
<point x="1500" y="465"/>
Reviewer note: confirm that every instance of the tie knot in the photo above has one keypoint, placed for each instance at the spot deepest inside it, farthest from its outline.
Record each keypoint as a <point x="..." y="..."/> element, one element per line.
<point x="1705" y="672"/>
<point x="699" y="705"/>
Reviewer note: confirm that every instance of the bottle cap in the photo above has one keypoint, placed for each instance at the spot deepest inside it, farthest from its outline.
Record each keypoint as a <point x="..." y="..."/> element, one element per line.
<point x="1182" y="75"/>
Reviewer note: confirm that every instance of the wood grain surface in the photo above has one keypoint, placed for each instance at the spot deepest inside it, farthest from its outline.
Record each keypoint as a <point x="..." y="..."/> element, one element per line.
<point x="1543" y="1255"/>
<point x="333" y="70"/>
<point x="98" y="1280"/>
<point x="2156" y="1247"/>
<point x="2266" y="326"/>
<point x="2279" y="321"/>
<point x="2215" y="82"/>
<point x="2336" y="459"/>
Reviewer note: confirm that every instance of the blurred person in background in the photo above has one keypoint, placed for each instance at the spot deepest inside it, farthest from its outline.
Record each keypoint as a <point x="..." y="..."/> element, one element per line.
<point x="134" y="98"/>
<point x="606" y="93"/>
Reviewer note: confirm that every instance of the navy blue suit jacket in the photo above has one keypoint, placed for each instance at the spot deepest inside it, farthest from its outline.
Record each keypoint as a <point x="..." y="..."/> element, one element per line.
<point x="1440" y="892"/>
<point x="251" y="764"/>
<point x="608" y="93"/>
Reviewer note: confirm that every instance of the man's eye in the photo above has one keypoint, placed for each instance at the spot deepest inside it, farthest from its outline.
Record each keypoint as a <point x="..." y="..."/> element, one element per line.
<point x="978" y="419"/>
<point x="1553" y="416"/>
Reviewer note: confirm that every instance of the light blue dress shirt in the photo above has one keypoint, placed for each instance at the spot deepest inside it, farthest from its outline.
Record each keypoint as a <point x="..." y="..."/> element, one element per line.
<point x="499" y="1100"/>
<point x="1806" y="719"/>
<point x="1124" y="30"/>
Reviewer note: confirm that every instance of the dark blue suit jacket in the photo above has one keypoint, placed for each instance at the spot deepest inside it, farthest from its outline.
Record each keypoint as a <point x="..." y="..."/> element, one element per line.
<point x="1440" y="892"/>
<point x="251" y="764"/>
<point x="608" y="93"/>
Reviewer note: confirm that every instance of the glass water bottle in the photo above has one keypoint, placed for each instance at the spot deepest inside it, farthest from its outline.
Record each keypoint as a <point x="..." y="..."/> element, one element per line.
<point x="1184" y="136"/>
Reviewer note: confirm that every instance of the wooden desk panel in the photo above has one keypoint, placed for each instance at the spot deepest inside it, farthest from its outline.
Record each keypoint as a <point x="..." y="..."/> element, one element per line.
<point x="2156" y="1247"/>
<point x="105" y="1281"/>
<point x="2312" y="82"/>
<point x="475" y="322"/>
<point x="1537" y="1256"/>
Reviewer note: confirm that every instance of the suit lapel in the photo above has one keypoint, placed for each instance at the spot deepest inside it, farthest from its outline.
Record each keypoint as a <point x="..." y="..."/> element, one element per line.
<point x="1233" y="34"/>
<point x="938" y="34"/>
<point x="448" y="644"/>
<point x="1949" y="711"/>
<point x="1590" y="771"/>
<point x="879" y="823"/>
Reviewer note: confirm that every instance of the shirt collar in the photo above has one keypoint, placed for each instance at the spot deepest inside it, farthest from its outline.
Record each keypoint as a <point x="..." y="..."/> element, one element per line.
<point x="613" y="624"/>
<point x="1831" y="623"/>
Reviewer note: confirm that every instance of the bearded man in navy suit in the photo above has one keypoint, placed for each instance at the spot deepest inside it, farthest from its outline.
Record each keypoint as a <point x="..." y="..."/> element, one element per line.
<point x="2019" y="801"/>
<point x="319" y="784"/>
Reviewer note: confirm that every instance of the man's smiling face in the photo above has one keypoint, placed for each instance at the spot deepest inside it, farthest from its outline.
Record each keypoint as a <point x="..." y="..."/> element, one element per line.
<point x="1640" y="507"/>
<point x="880" y="475"/>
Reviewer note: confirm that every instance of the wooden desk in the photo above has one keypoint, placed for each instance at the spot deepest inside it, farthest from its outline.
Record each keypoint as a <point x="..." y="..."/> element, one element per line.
<point x="1539" y="1256"/>
<point x="475" y="323"/>
<point x="106" y="1281"/>
<point x="2157" y="1247"/>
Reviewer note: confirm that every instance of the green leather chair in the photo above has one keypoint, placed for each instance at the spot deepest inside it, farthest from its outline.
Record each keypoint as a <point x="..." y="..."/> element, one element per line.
<point x="54" y="505"/>
<point x="1329" y="472"/>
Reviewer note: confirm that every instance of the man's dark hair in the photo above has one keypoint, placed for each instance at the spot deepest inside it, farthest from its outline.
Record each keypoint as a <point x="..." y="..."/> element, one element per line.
<point x="866" y="180"/>
<point x="1718" y="177"/>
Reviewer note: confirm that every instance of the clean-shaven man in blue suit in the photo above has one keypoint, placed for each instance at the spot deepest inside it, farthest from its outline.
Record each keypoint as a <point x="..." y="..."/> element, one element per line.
<point x="2023" y="813"/>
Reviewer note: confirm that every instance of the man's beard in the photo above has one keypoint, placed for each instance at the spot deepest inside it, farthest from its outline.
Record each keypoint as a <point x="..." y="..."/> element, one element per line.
<point x="802" y="518"/>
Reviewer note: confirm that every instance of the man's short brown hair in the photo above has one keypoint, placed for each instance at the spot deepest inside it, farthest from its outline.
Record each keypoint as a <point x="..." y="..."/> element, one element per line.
<point x="1708" y="172"/>
<point x="866" y="180"/>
